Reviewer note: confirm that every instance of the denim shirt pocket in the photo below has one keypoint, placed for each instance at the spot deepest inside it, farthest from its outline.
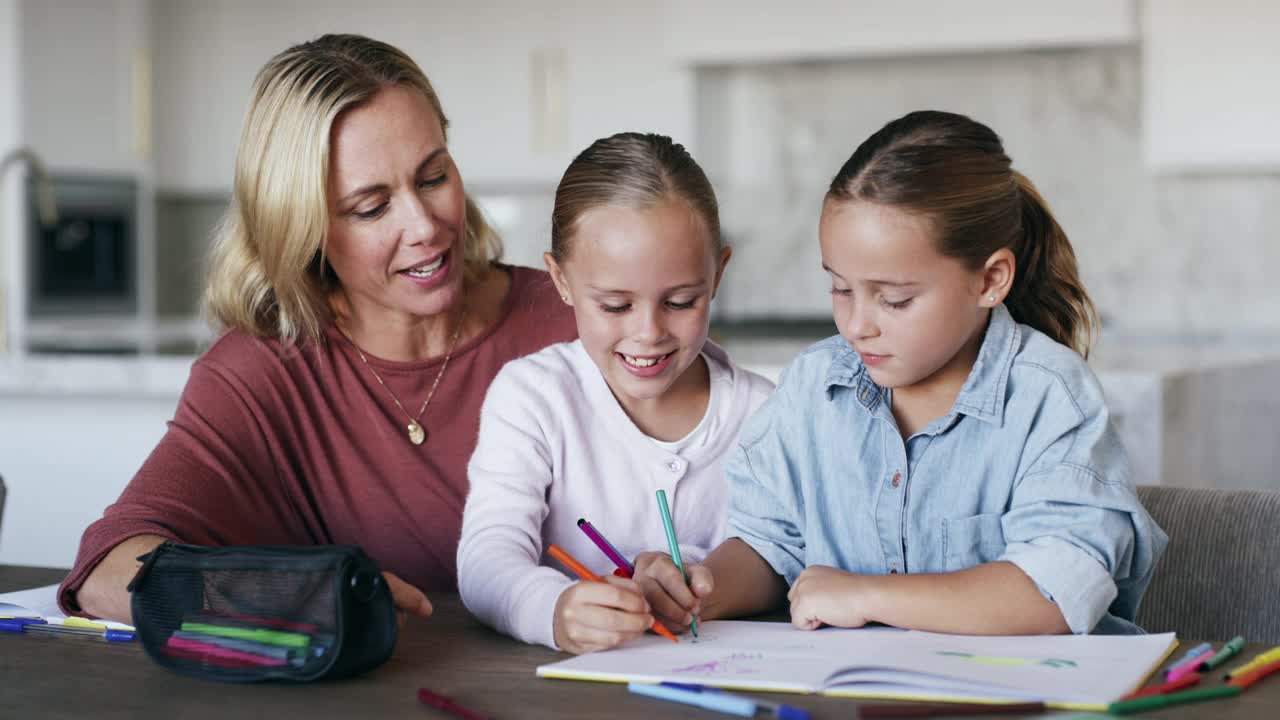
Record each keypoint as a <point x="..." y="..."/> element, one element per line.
<point x="971" y="541"/>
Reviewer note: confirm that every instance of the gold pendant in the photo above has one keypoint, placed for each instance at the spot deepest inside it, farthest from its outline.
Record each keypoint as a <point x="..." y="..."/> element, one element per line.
<point x="416" y="433"/>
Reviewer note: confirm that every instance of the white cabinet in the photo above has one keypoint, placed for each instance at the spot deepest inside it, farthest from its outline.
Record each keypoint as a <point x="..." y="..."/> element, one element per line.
<point x="10" y="75"/>
<point x="719" y="31"/>
<point x="488" y="59"/>
<point x="529" y="84"/>
<point x="11" y="191"/>
<point x="66" y="458"/>
<point x="1211" y="85"/>
<point x="84" y="86"/>
<point x="79" y="78"/>
<point x="73" y="432"/>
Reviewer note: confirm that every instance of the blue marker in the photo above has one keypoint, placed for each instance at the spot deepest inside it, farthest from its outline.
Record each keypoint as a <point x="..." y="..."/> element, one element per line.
<point x="23" y="625"/>
<point x="1192" y="655"/>
<point x="718" y="700"/>
<point x="19" y="624"/>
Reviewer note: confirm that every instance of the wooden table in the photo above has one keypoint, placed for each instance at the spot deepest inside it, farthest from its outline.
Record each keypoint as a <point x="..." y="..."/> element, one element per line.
<point x="450" y="653"/>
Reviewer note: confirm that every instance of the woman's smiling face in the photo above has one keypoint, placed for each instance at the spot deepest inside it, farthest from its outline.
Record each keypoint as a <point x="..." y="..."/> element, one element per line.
<point x="397" y="215"/>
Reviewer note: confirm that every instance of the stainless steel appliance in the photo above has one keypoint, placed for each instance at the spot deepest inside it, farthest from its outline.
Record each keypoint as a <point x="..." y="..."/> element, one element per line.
<point x="85" y="264"/>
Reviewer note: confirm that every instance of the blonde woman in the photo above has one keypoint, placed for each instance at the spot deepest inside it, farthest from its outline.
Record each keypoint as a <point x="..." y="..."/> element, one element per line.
<point x="365" y="315"/>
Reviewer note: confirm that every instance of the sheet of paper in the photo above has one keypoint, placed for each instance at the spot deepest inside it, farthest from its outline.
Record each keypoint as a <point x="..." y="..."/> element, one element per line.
<point x="731" y="654"/>
<point x="1073" y="670"/>
<point x="41" y="602"/>
<point x="1066" y="669"/>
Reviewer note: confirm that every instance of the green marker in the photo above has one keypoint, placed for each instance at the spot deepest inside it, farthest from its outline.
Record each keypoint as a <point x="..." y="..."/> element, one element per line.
<point x="675" y="546"/>
<point x="268" y="637"/>
<point x="1155" y="702"/>
<point x="1227" y="651"/>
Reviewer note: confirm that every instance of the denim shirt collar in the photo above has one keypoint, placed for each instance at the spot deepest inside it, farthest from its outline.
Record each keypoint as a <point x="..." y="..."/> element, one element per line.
<point x="982" y="395"/>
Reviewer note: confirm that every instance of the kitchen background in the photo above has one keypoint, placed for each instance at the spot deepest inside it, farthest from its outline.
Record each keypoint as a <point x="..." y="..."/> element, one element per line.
<point x="1151" y="127"/>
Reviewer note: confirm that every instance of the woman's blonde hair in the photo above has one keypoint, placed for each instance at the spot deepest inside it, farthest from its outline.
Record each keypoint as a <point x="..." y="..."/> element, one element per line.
<point x="268" y="275"/>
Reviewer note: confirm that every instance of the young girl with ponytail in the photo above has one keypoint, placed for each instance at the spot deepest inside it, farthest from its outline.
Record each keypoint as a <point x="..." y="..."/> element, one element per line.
<point x="946" y="463"/>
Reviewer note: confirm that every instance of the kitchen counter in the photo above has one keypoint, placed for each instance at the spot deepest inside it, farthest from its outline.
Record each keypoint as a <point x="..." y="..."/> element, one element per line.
<point x="94" y="376"/>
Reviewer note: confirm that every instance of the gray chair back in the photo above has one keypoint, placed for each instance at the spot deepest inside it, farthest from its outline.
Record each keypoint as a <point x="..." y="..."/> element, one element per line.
<point x="1220" y="576"/>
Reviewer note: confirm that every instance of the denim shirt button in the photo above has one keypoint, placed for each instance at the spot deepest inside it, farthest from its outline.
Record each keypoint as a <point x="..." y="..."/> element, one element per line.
<point x="894" y="569"/>
<point x="897" y="479"/>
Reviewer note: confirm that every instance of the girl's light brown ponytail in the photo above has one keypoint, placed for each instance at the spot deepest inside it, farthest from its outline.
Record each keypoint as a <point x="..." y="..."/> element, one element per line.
<point x="1047" y="293"/>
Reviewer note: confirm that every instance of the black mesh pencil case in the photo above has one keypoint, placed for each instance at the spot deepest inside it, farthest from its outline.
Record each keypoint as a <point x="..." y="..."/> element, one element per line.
<point x="251" y="613"/>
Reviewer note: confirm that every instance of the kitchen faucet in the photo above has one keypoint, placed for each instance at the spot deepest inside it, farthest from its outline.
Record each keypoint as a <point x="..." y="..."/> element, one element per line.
<point x="46" y="210"/>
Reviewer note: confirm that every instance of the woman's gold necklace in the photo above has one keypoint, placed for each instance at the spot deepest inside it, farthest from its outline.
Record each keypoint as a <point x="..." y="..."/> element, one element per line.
<point x="417" y="433"/>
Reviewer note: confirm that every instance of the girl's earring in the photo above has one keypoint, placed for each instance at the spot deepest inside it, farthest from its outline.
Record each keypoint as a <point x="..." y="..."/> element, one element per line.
<point x="991" y="298"/>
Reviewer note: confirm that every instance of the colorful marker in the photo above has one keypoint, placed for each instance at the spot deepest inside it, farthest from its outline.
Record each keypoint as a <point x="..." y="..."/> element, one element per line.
<point x="1125" y="707"/>
<point x="585" y="573"/>
<point x="245" y="646"/>
<point x="74" y="621"/>
<point x="1172" y="685"/>
<point x="1190" y="667"/>
<point x="674" y="545"/>
<point x="19" y="624"/>
<point x="40" y="626"/>
<point x="1191" y="657"/>
<point x="727" y="704"/>
<point x="717" y="700"/>
<point x="269" y="637"/>
<point x="1227" y="651"/>
<point x="782" y="711"/>
<point x="606" y="547"/>
<point x="447" y="704"/>
<point x="1244" y="680"/>
<point x="1258" y="661"/>
<point x="187" y="647"/>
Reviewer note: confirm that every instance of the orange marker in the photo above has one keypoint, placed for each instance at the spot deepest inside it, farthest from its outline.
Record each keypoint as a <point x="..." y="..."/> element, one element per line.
<point x="585" y="573"/>
<point x="1244" y="680"/>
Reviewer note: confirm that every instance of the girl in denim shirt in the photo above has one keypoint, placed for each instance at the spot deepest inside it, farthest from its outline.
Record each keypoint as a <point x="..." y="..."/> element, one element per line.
<point x="946" y="463"/>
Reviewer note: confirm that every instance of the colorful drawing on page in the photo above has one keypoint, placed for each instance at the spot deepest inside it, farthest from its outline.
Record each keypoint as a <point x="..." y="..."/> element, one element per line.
<point x="736" y="663"/>
<point x="995" y="660"/>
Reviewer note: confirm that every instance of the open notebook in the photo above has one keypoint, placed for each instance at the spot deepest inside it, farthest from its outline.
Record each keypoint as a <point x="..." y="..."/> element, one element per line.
<point x="42" y="602"/>
<point x="1070" y="671"/>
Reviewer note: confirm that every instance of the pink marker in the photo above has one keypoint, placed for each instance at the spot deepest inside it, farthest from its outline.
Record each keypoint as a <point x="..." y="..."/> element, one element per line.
<point x="625" y="568"/>
<point x="1182" y="671"/>
<point x="195" y="647"/>
<point x="1189" y="663"/>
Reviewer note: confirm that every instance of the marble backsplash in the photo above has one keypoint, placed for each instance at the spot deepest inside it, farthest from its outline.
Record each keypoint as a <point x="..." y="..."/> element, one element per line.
<point x="1163" y="256"/>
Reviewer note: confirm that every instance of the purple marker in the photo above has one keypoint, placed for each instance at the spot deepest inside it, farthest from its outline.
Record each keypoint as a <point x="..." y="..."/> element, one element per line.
<point x="606" y="547"/>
